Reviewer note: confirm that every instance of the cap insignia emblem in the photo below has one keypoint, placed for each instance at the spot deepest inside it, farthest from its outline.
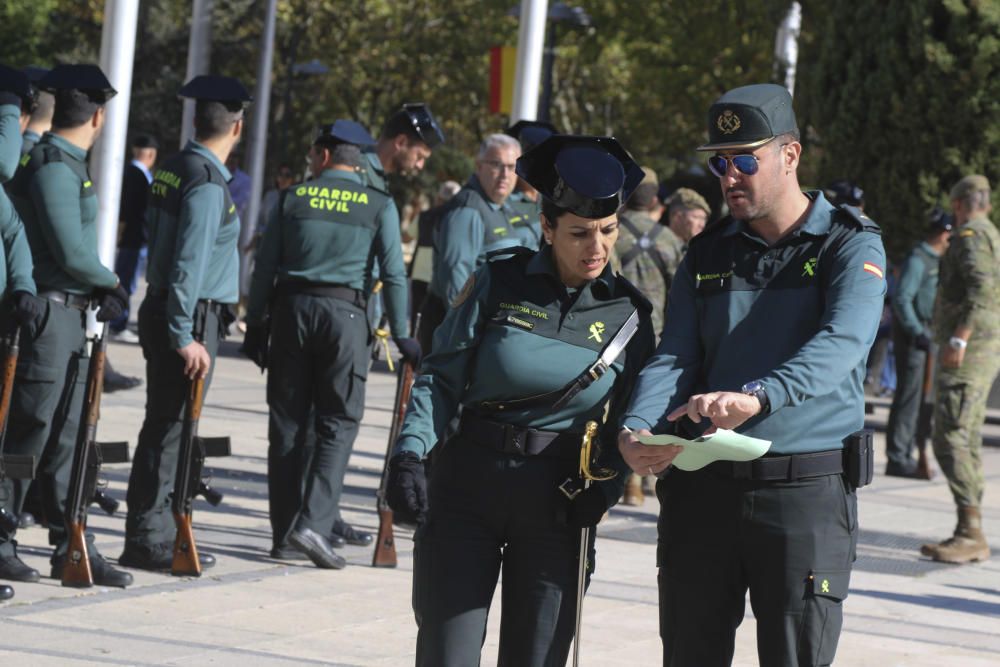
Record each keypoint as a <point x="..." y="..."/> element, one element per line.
<point x="728" y="122"/>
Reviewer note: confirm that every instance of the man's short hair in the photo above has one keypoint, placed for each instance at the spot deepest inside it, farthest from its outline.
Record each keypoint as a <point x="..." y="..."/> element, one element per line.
<point x="344" y="153"/>
<point x="213" y="119"/>
<point x="497" y="141"/>
<point x="45" y="107"/>
<point x="73" y="108"/>
<point x="643" y="197"/>
<point x="686" y="199"/>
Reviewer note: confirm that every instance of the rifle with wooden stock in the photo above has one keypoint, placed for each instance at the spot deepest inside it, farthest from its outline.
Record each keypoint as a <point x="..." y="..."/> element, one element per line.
<point x="13" y="466"/>
<point x="385" y="545"/>
<point x="88" y="457"/>
<point x="188" y="482"/>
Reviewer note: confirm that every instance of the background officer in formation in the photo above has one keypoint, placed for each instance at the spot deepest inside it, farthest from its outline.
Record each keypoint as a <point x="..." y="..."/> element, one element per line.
<point x="312" y="267"/>
<point x="525" y="200"/>
<point x="687" y="212"/>
<point x="407" y="140"/>
<point x="477" y="222"/>
<point x="526" y="326"/>
<point x="782" y="300"/>
<point x="193" y="277"/>
<point x="55" y="198"/>
<point x="912" y="308"/>
<point x="967" y="328"/>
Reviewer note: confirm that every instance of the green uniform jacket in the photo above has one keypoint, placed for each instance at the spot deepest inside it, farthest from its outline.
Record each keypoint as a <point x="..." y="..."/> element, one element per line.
<point x="642" y="270"/>
<point x="969" y="288"/>
<point x="374" y="171"/>
<point x="516" y="331"/>
<point x="15" y="260"/>
<point x="331" y="230"/>
<point x="527" y="219"/>
<point x="55" y="198"/>
<point x="29" y="140"/>
<point x="800" y="316"/>
<point x="193" y="229"/>
<point x="472" y="227"/>
<point x="913" y="304"/>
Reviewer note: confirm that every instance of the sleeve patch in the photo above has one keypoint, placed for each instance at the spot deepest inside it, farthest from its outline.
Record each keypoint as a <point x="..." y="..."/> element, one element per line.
<point x="966" y="233"/>
<point x="873" y="269"/>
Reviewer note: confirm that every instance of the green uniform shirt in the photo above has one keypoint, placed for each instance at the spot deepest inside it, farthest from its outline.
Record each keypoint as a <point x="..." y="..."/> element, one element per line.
<point x="55" y="198"/>
<point x="527" y="219"/>
<point x="472" y="227"/>
<point x="800" y="316"/>
<point x="15" y="260"/>
<point x="193" y="229"/>
<point x="969" y="291"/>
<point x="651" y="275"/>
<point x="374" y="171"/>
<point x="331" y="230"/>
<point x="913" y="304"/>
<point x="517" y="331"/>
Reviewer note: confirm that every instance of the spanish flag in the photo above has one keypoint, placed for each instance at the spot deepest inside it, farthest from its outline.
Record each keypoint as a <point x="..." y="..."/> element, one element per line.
<point x="503" y="61"/>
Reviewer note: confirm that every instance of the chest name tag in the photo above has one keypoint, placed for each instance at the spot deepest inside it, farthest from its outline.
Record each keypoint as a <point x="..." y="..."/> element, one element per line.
<point x="518" y="322"/>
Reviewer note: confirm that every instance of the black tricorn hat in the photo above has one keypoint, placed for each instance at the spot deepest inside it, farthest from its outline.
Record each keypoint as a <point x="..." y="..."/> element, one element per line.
<point x="589" y="176"/>
<point x="88" y="79"/>
<point x="345" y="131"/>
<point x="15" y="84"/>
<point x="423" y="123"/>
<point x="215" y="88"/>
<point x="531" y="132"/>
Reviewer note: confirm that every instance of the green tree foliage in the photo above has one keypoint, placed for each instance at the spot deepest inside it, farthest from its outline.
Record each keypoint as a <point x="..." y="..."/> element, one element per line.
<point x="904" y="98"/>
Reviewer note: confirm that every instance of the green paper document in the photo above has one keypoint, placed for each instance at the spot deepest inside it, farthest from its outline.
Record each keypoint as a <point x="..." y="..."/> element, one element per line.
<point x="722" y="445"/>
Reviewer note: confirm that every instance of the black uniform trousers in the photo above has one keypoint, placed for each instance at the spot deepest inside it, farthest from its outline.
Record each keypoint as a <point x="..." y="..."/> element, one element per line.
<point x="317" y="370"/>
<point x="492" y="512"/>
<point x="154" y="467"/>
<point x="45" y="410"/>
<point x="791" y="543"/>
<point x="905" y="412"/>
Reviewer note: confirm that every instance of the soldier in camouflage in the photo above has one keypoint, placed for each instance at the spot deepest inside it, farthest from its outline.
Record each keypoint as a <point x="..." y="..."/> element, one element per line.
<point x="967" y="326"/>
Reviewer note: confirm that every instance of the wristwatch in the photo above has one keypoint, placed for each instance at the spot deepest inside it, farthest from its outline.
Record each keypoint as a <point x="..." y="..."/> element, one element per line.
<point x="957" y="343"/>
<point x="755" y="388"/>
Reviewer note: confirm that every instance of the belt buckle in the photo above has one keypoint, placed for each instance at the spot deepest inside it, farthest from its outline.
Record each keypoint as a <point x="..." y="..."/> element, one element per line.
<point x="742" y="469"/>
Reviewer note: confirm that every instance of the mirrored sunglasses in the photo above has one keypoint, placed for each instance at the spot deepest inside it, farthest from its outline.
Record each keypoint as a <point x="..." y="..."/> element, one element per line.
<point x="745" y="164"/>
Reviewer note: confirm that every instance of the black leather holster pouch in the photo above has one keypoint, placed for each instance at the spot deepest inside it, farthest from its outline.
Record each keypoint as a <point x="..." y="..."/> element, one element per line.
<point x="859" y="457"/>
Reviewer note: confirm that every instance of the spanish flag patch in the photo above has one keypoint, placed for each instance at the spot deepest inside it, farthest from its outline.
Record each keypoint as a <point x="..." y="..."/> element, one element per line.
<point x="873" y="269"/>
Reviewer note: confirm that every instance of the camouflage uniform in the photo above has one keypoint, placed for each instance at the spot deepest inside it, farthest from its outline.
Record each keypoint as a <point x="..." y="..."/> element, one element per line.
<point x="968" y="294"/>
<point x="652" y="267"/>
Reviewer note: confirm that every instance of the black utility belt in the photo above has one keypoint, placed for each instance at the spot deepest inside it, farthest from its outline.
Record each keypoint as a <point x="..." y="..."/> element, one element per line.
<point x="518" y="440"/>
<point x="782" y="468"/>
<point x="348" y="294"/>
<point x="210" y="304"/>
<point x="78" y="301"/>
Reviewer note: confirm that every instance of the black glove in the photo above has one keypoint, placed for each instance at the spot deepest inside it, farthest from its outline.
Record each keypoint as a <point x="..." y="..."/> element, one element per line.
<point x="588" y="507"/>
<point x="406" y="488"/>
<point x="922" y="342"/>
<point x="112" y="303"/>
<point x="27" y="307"/>
<point x="410" y="349"/>
<point x="255" y="345"/>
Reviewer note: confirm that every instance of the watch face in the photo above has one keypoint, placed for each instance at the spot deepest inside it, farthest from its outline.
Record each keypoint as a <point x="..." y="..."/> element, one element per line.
<point x="751" y="387"/>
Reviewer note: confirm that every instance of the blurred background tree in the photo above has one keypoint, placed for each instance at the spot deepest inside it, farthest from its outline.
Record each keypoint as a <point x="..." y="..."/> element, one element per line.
<point x="900" y="97"/>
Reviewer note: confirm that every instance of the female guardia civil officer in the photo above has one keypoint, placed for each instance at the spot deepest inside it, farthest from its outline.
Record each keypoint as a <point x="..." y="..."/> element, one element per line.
<point x="516" y="352"/>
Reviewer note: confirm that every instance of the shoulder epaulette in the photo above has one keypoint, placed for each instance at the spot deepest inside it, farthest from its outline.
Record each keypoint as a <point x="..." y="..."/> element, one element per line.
<point x="854" y="217"/>
<point x="638" y="298"/>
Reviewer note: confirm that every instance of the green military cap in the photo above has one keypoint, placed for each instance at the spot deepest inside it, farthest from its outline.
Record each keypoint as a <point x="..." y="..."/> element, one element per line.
<point x="968" y="185"/>
<point x="749" y="117"/>
<point x="689" y="199"/>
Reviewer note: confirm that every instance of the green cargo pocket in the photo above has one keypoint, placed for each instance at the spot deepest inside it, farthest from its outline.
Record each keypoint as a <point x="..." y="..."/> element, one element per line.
<point x="822" y="616"/>
<point x="953" y="405"/>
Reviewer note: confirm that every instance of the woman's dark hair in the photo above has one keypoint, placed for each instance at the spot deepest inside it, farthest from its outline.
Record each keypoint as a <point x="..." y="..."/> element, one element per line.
<point x="552" y="211"/>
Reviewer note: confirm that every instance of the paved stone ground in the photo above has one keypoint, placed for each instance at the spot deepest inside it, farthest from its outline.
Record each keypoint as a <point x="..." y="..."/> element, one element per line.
<point x="251" y="610"/>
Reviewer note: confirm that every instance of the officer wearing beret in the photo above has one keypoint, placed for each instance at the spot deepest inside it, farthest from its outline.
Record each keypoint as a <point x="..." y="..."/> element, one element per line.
<point x="770" y="318"/>
<point x="512" y="353"/>
<point x="407" y="140"/>
<point x="193" y="229"/>
<point x="55" y="198"/>
<point x="525" y="201"/>
<point x="307" y="293"/>
<point x="912" y="308"/>
<point x="967" y="331"/>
